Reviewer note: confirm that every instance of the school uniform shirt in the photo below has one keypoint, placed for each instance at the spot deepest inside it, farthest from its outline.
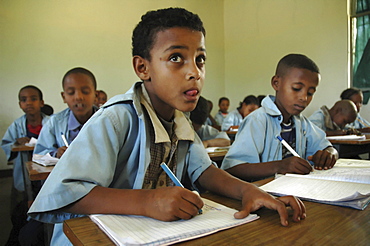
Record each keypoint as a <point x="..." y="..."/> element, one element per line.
<point x="322" y="119"/>
<point x="359" y="123"/>
<point x="50" y="138"/>
<point x="17" y="129"/>
<point x="206" y="132"/>
<point x="256" y="140"/>
<point x="219" y="117"/>
<point x="112" y="150"/>
<point x="234" y="118"/>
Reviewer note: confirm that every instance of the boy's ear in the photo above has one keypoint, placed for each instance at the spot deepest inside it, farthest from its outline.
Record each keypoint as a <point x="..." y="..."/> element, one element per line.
<point x="42" y="103"/>
<point x="275" y="82"/>
<point x="141" y="68"/>
<point x="62" y="94"/>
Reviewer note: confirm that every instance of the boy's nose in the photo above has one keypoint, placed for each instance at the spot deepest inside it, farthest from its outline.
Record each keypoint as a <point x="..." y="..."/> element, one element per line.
<point x="78" y="95"/>
<point x="194" y="72"/>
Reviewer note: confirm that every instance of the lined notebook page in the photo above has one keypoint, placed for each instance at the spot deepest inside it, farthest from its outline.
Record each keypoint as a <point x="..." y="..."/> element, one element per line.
<point x="139" y="230"/>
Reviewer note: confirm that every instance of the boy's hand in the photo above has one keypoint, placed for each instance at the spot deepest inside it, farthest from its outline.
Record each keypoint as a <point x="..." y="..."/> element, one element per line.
<point x="61" y="151"/>
<point x="255" y="198"/>
<point x="323" y="159"/>
<point x="22" y="141"/>
<point x="173" y="203"/>
<point x="294" y="165"/>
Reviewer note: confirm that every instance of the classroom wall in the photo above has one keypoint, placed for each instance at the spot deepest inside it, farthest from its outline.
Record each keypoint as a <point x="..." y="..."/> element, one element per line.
<point x="41" y="40"/>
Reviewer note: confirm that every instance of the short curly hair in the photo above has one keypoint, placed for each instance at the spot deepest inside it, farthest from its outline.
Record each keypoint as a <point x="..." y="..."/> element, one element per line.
<point x="152" y="22"/>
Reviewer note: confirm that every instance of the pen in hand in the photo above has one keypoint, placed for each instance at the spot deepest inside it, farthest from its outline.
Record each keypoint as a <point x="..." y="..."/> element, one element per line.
<point x="291" y="150"/>
<point x="64" y="140"/>
<point x="176" y="180"/>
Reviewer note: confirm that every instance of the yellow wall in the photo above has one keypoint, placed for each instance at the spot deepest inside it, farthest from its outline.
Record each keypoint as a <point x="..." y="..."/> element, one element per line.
<point x="41" y="40"/>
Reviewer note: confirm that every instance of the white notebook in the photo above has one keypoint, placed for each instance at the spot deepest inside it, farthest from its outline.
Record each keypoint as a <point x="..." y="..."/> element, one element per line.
<point x="140" y="230"/>
<point x="346" y="184"/>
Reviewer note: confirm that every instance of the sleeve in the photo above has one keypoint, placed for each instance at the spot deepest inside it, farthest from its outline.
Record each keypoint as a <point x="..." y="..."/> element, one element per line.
<point x="90" y="160"/>
<point x="9" y="139"/>
<point x="249" y="142"/>
<point x="316" y="139"/>
<point x="317" y="118"/>
<point x="47" y="140"/>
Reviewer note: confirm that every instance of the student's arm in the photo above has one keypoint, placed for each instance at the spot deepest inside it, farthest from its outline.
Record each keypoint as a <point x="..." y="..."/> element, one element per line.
<point x="253" y="198"/>
<point x="217" y="142"/>
<point x="253" y="171"/>
<point x="166" y="204"/>
<point x="324" y="159"/>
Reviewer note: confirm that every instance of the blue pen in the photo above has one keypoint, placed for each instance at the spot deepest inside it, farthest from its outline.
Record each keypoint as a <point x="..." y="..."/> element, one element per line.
<point x="288" y="146"/>
<point x="176" y="180"/>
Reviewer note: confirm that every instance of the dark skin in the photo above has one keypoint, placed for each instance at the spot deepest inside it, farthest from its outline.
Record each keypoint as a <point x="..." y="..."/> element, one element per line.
<point x="294" y="92"/>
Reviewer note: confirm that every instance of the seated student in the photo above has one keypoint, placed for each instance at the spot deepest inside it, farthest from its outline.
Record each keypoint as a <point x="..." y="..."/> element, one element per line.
<point x="113" y="164"/>
<point x="223" y="104"/>
<point x="234" y="118"/>
<point x="257" y="153"/>
<point x="20" y="132"/>
<point x="79" y="92"/>
<point x="210" y="120"/>
<point x="210" y="136"/>
<point x="101" y="98"/>
<point x="356" y="96"/>
<point x="333" y="120"/>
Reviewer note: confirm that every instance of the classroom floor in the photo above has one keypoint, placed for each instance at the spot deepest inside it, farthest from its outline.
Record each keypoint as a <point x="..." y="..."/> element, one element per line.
<point x="5" y="223"/>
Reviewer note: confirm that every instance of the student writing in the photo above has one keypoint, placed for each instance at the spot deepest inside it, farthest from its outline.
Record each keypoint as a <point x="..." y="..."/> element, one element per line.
<point x="257" y="152"/>
<point x="79" y="92"/>
<point x="113" y="165"/>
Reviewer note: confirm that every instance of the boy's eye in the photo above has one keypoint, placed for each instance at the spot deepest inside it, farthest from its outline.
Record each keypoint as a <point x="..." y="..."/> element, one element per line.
<point x="176" y="58"/>
<point x="86" y="91"/>
<point x="296" y="89"/>
<point x="201" y="59"/>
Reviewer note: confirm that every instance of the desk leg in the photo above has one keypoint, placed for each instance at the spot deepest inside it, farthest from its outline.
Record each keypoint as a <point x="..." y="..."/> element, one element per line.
<point x="26" y="180"/>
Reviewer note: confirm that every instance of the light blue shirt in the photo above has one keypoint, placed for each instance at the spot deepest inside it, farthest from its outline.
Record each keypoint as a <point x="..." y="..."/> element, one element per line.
<point x="17" y="129"/>
<point x="206" y="132"/>
<point x="219" y="118"/>
<point x="359" y="123"/>
<point x="112" y="150"/>
<point x="256" y="140"/>
<point x="234" y="118"/>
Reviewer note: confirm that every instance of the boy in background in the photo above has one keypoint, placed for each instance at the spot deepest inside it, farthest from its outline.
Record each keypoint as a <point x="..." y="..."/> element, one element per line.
<point x="223" y="105"/>
<point x="235" y="117"/>
<point x="79" y="92"/>
<point x="334" y="120"/>
<point x="19" y="133"/>
<point x="101" y="98"/>
<point x="356" y="96"/>
<point x="210" y="136"/>
<point x="113" y="166"/>
<point x="257" y="153"/>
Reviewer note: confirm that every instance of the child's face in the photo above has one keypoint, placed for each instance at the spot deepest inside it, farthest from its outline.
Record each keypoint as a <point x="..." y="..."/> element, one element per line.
<point x="79" y="94"/>
<point x="175" y="75"/>
<point x="247" y="109"/>
<point x="101" y="99"/>
<point x="29" y="101"/>
<point x="294" y="90"/>
<point x="224" y="106"/>
<point x="342" y="120"/>
<point x="357" y="99"/>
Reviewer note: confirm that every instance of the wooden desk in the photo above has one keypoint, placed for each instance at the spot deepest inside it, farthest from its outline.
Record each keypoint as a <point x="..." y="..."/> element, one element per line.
<point x="350" y="148"/>
<point x="37" y="171"/>
<point x="324" y="225"/>
<point x="25" y="156"/>
<point x="217" y="156"/>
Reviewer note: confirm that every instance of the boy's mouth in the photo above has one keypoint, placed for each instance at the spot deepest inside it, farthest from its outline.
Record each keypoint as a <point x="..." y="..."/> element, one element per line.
<point x="192" y="92"/>
<point x="79" y="106"/>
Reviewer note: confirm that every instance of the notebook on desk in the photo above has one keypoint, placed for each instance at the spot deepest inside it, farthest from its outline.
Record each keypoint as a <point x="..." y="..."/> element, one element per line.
<point x="346" y="184"/>
<point x="140" y="230"/>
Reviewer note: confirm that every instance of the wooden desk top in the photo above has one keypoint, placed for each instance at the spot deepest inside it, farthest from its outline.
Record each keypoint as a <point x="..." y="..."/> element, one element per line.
<point x="324" y="225"/>
<point x="352" y="142"/>
<point x="38" y="172"/>
<point x="217" y="155"/>
<point x="18" y="148"/>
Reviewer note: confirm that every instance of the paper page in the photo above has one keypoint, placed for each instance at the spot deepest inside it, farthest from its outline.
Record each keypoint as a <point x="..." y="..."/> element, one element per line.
<point x="353" y="174"/>
<point x="217" y="149"/>
<point x="140" y="230"/>
<point x="346" y="137"/>
<point x="321" y="190"/>
<point x="32" y="142"/>
<point x="45" y="160"/>
<point x="352" y="163"/>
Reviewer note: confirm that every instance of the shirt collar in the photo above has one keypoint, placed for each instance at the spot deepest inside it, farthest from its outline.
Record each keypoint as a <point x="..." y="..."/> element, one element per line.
<point x="182" y="128"/>
<point x="73" y="123"/>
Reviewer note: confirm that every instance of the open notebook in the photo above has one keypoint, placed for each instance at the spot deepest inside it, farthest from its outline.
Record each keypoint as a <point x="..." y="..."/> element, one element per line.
<point x="346" y="184"/>
<point x="140" y="230"/>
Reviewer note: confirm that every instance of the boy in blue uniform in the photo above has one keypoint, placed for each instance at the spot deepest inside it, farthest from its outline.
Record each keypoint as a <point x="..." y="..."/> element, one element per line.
<point x="257" y="152"/>
<point x="356" y="96"/>
<point x="113" y="166"/>
<point x="20" y="132"/>
<point x="79" y="92"/>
